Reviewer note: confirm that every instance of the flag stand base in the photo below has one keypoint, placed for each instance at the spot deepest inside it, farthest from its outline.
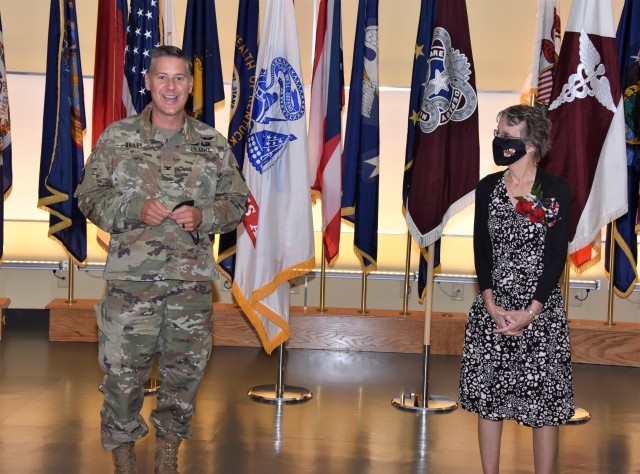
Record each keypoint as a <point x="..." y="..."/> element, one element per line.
<point x="279" y="393"/>
<point x="414" y="402"/>
<point x="269" y="394"/>
<point x="581" y="416"/>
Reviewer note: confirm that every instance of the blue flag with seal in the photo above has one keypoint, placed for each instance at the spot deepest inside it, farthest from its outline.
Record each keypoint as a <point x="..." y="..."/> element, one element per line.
<point x="5" y="141"/>
<point x="244" y="73"/>
<point x="62" y="156"/>
<point x="361" y="156"/>
<point x="201" y="46"/>
<point x="144" y="32"/>
<point x="426" y="21"/>
<point x="625" y="271"/>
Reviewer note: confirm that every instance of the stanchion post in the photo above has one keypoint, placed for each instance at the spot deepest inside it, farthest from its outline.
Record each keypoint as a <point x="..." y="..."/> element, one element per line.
<point x="363" y="299"/>
<point x="279" y="393"/>
<point x="323" y="276"/>
<point x="423" y="402"/>
<point x="70" y="299"/>
<point x="407" y="270"/>
<point x="612" y="247"/>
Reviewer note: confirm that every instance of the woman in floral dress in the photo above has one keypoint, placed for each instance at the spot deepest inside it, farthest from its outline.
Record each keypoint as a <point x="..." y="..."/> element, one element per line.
<point x="516" y="362"/>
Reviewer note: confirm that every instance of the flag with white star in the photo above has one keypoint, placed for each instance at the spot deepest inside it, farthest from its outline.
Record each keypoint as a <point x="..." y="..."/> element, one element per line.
<point x="446" y="150"/>
<point x="361" y="157"/>
<point x="144" y="32"/>
<point x="420" y="66"/>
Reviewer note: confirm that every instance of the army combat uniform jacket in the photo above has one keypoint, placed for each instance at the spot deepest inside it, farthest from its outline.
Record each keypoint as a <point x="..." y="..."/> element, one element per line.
<point x="132" y="162"/>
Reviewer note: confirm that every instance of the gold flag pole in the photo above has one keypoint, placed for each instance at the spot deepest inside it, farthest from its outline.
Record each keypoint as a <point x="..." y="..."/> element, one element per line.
<point x="363" y="301"/>
<point x="407" y="269"/>
<point x="70" y="299"/>
<point x="612" y="246"/>
<point x="323" y="275"/>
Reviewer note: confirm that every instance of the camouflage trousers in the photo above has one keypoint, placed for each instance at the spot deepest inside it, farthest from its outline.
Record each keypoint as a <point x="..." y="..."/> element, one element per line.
<point x="136" y="320"/>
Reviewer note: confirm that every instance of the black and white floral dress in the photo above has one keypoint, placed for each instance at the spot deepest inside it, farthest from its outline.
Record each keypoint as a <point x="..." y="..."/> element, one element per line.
<point x="527" y="379"/>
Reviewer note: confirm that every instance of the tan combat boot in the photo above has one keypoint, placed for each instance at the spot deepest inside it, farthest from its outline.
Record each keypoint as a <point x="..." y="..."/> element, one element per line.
<point x="124" y="459"/>
<point x="167" y="454"/>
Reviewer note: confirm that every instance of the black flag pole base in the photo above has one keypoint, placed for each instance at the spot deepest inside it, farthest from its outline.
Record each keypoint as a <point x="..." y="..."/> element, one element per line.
<point x="290" y="394"/>
<point x="415" y="402"/>
<point x="581" y="416"/>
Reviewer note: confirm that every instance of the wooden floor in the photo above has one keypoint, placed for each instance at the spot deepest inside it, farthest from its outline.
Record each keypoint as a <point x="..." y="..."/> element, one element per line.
<point x="49" y="421"/>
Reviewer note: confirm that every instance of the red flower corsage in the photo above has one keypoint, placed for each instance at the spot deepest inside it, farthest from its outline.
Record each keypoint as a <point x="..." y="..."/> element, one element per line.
<point x="538" y="208"/>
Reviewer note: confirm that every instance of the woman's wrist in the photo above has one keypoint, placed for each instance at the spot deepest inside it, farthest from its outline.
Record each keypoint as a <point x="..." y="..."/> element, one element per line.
<point x="534" y="315"/>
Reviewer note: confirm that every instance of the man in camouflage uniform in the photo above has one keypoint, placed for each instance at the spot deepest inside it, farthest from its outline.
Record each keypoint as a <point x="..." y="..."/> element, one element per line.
<point x="159" y="182"/>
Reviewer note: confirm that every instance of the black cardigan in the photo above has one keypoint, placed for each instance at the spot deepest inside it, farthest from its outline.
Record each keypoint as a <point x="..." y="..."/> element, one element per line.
<point x="556" y="241"/>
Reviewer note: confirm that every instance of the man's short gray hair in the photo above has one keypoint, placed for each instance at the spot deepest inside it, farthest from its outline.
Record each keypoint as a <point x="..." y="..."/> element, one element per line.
<point x="168" y="51"/>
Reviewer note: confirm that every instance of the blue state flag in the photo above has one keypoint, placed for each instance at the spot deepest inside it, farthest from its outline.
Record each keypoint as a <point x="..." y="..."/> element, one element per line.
<point x="144" y="32"/>
<point x="5" y="141"/>
<point x="201" y="46"/>
<point x="426" y="22"/>
<point x="244" y="73"/>
<point x="361" y="157"/>
<point x="62" y="156"/>
<point x="625" y="272"/>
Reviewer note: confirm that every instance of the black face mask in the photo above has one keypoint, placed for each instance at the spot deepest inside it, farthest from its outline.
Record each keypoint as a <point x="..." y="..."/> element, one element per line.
<point x="506" y="151"/>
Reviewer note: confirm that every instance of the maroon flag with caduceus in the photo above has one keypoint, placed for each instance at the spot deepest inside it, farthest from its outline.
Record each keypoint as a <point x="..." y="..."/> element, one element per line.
<point x="588" y="122"/>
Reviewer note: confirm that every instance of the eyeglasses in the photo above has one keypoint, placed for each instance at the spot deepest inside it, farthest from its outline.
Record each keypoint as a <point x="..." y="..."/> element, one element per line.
<point x="498" y="134"/>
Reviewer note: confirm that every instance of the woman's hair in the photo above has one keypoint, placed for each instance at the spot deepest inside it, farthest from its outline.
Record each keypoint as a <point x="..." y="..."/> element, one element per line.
<point x="535" y="127"/>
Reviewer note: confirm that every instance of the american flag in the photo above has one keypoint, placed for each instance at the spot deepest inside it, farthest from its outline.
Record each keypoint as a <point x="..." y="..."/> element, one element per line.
<point x="144" y="32"/>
